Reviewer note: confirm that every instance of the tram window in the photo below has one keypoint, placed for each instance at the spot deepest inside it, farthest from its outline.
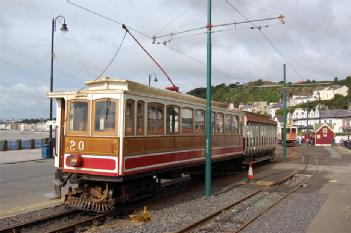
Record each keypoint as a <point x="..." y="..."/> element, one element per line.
<point x="213" y="122"/>
<point x="199" y="121"/>
<point x="219" y="123"/>
<point x="129" y="125"/>
<point x="235" y="128"/>
<point x="172" y="120"/>
<point x="78" y="116"/>
<point x="227" y="124"/>
<point x="105" y="113"/>
<point x="187" y="120"/>
<point x="155" y="123"/>
<point x="240" y="124"/>
<point x="140" y="118"/>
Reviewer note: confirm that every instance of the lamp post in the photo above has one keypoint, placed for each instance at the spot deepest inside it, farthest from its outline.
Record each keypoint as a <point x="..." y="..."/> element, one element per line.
<point x="150" y="76"/>
<point x="53" y="29"/>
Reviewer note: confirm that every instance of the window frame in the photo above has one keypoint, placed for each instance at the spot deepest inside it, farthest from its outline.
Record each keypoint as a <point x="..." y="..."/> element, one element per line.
<point x="192" y="122"/>
<point x="143" y="118"/>
<point x="213" y="122"/>
<point x="204" y="131"/>
<point x="109" y="132"/>
<point x="229" y="132"/>
<point x="179" y="120"/>
<point x="219" y="113"/>
<point x="235" y="130"/>
<point x="147" y="119"/>
<point x="76" y="133"/>
<point x="133" y="118"/>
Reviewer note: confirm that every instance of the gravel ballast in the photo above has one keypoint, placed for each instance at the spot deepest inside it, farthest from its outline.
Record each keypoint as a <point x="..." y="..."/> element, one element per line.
<point x="168" y="216"/>
<point x="293" y="214"/>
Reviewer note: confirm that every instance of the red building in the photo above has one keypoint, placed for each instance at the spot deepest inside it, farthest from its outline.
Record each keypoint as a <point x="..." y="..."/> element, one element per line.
<point x="324" y="135"/>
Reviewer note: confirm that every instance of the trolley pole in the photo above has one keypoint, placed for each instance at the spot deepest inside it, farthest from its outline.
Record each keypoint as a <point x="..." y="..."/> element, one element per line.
<point x="208" y="175"/>
<point x="284" y="112"/>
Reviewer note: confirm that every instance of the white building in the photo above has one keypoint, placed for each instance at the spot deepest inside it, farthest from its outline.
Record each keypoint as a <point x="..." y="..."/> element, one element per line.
<point x="299" y="99"/>
<point x="273" y="107"/>
<point x="337" y="118"/>
<point x="258" y="107"/>
<point x="3" y="125"/>
<point x="328" y="93"/>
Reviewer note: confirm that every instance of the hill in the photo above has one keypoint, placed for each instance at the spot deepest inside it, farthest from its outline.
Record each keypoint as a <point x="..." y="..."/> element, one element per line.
<point x="255" y="91"/>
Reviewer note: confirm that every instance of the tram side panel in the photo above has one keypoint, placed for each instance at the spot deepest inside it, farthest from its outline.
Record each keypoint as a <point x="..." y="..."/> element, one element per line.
<point x="260" y="138"/>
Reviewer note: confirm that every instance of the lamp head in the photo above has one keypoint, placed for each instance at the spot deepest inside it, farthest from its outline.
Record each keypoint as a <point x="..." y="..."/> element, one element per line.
<point x="64" y="28"/>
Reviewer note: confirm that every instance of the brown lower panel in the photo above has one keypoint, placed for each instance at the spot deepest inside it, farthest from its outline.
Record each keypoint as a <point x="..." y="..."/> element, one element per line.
<point x="143" y="145"/>
<point x="91" y="145"/>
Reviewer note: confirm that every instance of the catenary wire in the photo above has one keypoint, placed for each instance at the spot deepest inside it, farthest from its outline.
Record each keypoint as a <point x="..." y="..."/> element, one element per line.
<point x="257" y="7"/>
<point x="178" y="16"/>
<point x="198" y="61"/>
<point x="58" y="63"/>
<point x="217" y="25"/>
<point x="151" y="57"/>
<point x="24" y="65"/>
<point x="108" y="18"/>
<point x="267" y="39"/>
<point x="259" y="27"/>
<point x="113" y="57"/>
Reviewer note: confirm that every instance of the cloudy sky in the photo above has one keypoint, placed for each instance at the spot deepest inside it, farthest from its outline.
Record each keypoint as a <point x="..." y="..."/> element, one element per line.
<point x="314" y="40"/>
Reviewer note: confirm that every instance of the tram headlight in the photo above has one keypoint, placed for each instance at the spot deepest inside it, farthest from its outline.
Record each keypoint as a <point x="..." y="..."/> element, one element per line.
<point x="75" y="160"/>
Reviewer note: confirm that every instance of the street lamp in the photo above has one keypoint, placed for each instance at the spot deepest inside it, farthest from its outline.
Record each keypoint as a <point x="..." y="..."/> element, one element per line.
<point x="150" y="76"/>
<point x="53" y="29"/>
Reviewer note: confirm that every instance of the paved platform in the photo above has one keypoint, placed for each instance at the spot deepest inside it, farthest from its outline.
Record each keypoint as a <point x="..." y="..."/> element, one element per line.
<point x="17" y="156"/>
<point x="335" y="183"/>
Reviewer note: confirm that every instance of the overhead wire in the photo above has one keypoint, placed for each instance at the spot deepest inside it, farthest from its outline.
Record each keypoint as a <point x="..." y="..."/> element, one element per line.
<point x="113" y="57"/>
<point x="108" y="18"/>
<point x="267" y="39"/>
<point x="178" y="16"/>
<point x="198" y="61"/>
<point x="216" y="25"/>
<point x="257" y="7"/>
<point x="58" y="63"/>
<point x="151" y="57"/>
<point x="25" y="65"/>
<point x="259" y="27"/>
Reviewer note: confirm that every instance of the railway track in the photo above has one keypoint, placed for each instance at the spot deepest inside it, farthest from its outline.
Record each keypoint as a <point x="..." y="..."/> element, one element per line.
<point x="220" y="217"/>
<point x="40" y="220"/>
<point x="57" y="222"/>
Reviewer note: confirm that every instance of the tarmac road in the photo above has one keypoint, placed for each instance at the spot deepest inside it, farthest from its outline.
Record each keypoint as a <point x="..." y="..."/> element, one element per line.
<point x="25" y="182"/>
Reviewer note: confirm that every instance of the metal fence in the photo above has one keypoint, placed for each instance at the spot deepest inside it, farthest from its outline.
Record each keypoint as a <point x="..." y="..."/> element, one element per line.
<point x="19" y="144"/>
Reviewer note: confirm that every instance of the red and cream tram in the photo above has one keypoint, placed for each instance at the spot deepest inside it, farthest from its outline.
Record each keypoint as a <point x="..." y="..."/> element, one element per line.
<point x="116" y="137"/>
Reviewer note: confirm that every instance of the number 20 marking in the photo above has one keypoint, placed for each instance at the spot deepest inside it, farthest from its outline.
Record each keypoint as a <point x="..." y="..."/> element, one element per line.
<point x="72" y="145"/>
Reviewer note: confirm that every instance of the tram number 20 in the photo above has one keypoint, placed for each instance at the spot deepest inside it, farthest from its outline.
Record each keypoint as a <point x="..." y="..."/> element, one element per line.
<point x="73" y="145"/>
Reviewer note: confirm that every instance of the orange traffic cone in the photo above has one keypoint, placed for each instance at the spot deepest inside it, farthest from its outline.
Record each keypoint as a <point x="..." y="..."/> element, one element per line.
<point x="250" y="175"/>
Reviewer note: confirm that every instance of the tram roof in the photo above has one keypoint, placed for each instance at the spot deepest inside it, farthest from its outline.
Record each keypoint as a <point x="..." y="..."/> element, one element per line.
<point x="109" y="85"/>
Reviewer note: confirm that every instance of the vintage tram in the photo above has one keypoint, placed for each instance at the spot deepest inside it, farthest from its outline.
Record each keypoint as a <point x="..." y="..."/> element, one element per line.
<point x="116" y="138"/>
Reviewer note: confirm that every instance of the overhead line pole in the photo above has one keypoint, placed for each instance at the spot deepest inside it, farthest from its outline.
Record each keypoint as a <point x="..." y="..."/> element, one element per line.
<point x="284" y="112"/>
<point x="208" y="169"/>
